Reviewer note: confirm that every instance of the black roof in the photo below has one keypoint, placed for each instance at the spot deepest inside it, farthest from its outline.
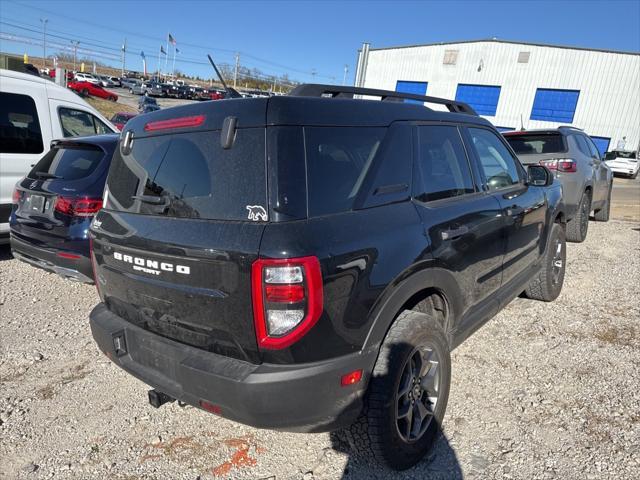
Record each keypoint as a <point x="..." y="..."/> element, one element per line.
<point x="311" y="111"/>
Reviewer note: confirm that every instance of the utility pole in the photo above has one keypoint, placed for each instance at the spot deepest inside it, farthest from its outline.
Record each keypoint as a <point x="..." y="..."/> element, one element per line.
<point x="44" y="41"/>
<point x="346" y="70"/>
<point x="235" y="73"/>
<point x="124" y="53"/>
<point x="75" y="44"/>
<point x="313" y="75"/>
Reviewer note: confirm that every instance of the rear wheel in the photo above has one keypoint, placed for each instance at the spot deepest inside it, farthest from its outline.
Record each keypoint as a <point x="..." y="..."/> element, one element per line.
<point x="602" y="215"/>
<point x="577" y="228"/>
<point x="407" y="395"/>
<point x="547" y="285"/>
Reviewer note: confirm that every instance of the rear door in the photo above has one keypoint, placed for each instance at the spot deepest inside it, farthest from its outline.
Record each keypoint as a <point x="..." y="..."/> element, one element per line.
<point x="181" y="227"/>
<point x="524" y="208"/>
<point x="463" y="224"/>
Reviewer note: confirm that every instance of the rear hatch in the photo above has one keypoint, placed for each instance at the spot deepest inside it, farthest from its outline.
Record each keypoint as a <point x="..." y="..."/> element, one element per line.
<point x="533" y="147"/>
<point x="61" y="191"/>
<point x="175" y="242"/>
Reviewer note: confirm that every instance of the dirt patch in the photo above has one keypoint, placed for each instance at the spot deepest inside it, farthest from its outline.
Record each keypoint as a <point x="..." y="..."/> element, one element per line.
<point x="623" y="335"/>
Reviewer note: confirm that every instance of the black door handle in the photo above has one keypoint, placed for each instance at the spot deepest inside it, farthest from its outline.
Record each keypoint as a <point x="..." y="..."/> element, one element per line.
<point x="454" y="233"/>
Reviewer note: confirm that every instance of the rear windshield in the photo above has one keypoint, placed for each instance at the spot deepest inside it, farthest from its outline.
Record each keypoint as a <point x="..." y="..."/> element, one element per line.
<point x="536" y="143"/>
<point x="190" y="175"/>
<point x="118" y="118"/>
<point x="618" y="154"/>
<point x="68" y="163"/>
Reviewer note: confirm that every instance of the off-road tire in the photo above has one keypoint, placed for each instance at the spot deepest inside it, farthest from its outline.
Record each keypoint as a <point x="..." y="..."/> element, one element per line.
<point x="578" y="227"/>
<point x="375" y="436"/>
<point x="547" y="285"/>
<point x="602" y="215"/>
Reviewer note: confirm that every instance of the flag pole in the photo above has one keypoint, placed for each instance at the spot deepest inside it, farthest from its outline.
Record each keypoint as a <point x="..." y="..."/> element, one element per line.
<point x="173" y="69"/>
<point x="159" y="59"/>
<point x="166" y="54"/>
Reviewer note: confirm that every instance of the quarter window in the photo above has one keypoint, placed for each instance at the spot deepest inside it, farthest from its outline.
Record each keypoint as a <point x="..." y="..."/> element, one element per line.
<point x="77" y="123"/>
<point x="442" y="167"/>
<point x="19" y="124"/>
<point x="496" y="161"/>
<point x="582" y="145"/>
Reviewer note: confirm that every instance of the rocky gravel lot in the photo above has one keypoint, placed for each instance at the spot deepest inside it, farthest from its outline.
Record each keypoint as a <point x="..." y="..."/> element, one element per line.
<point x="542" y="391"/>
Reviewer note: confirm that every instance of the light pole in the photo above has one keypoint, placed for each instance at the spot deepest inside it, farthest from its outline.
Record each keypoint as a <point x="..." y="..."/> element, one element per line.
<point x="44" y="41"/>
<point x="75" y="44"/>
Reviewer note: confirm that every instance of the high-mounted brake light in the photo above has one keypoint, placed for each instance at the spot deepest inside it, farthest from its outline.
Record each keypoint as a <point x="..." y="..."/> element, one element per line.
<point x="287" y="299"/>
<point x="565" y="165"/>
<point x="78" y="207"/>
<point x="181" y="122"/>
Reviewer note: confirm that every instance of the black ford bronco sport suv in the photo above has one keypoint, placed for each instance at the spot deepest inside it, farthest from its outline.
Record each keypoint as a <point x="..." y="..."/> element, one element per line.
<point x="307" y="262"/>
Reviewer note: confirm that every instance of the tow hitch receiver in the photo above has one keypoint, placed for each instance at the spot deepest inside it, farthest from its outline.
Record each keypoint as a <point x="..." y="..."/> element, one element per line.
<point x="157" y="399"/>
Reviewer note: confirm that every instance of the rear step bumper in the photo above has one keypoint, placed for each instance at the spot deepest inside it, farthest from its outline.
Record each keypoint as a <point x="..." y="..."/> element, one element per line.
<point x="300" y="398"/>
<point x="78" y="270"/>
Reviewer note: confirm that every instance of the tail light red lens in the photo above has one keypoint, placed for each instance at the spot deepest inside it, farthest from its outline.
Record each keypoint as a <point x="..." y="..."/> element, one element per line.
<point x="565" y="165"/>
<point x="351" y="378"/>
<point x="78" y="207"/>
<point x="17" y="195"/>
<point x="287" y="299"/>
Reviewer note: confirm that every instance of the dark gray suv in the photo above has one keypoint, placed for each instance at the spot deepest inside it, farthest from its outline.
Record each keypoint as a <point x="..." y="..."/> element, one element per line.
<point x="573" y="157"/>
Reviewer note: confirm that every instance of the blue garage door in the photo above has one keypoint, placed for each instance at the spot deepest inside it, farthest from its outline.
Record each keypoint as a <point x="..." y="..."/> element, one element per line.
<point x="602" y="143"/>
<point x="483" y="98"/>
<point x="555" y="105"/>
<point x="419" y="88"/>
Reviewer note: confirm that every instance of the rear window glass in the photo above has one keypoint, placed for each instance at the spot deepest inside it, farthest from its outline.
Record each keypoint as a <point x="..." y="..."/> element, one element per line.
<point x="70" y="163"/>
<point x="190" y="175"/>
<point x="338" y="160"/>
<point x="536" y="143"/>
<point x="19" y="125"/>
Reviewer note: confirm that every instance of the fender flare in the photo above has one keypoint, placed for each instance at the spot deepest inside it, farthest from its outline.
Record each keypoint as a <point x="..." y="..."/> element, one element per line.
<point x="428" y="275"/>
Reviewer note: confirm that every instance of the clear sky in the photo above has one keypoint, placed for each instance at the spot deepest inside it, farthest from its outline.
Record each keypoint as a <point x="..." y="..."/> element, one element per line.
<point x="301" y="37"/>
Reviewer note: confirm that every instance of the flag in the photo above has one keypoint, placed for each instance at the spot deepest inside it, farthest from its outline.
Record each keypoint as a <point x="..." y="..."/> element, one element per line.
<point x="142" y="55"/>
<point x="172" y="40"/>
<point x="162" y="50"/>
<point x="123" y="47"/>
<point x="177" y="51"/>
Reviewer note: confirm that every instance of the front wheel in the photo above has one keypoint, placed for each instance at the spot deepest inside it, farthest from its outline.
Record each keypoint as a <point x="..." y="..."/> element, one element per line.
<point x="547" y="285"/>
<point x="602" y="215"/>
<point x="407" y="395"/>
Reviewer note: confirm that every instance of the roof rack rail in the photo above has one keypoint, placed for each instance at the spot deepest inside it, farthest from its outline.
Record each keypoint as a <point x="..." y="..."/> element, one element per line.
<point x="340" y="91"/>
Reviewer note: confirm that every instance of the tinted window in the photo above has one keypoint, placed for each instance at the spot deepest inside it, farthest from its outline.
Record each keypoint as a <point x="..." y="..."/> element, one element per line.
<point x="192" y="176"/>
<point x="76" y="123"/>
<point x="69" y="163"/>
<point x="536" y="143"/>
<point x="496" y="161"/>
<point x="442" y="166"/>
<point x="582" y="145"/>
<point x="19" y="124"/>
<point x="338" y="160"/>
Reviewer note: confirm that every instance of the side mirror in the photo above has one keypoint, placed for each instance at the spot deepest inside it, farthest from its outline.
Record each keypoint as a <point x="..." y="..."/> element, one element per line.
<point x="539" y="176"/>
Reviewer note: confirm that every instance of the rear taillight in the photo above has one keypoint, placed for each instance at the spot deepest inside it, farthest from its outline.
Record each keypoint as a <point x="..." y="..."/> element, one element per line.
<point x="287" y="299"/>
<point x="17" y="195"/>
<point x="565" y="165"/>
<point x="78" y="207"/>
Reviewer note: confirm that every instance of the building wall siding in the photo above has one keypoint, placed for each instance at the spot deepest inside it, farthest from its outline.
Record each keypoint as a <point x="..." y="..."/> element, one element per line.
<point x="609" y="83"/>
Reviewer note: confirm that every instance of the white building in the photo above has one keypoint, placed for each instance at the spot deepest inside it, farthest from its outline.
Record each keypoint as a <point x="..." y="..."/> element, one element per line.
<point x="516" y="84"/>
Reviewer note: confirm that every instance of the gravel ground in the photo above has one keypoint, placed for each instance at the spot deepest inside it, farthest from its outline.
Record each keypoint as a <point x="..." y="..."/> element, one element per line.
<point x="542" y="391"/>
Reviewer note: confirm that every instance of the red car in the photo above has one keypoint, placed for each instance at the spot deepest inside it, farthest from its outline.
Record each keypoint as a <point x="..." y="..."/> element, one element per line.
<point x="121" y="118"/>
<point x="86" y="88"/>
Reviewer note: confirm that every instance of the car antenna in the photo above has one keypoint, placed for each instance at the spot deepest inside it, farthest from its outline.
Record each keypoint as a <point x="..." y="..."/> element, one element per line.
<point x="231" y="92"/>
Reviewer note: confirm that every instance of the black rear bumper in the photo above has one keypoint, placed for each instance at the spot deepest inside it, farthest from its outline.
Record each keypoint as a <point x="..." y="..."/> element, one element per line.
<point x="77" y="269"/>
<point x="303" y="398"/>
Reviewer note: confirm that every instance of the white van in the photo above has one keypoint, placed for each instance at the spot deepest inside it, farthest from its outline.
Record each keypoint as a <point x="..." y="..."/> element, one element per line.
<point x="86" y="77"/>
<point x="33" y="112"/>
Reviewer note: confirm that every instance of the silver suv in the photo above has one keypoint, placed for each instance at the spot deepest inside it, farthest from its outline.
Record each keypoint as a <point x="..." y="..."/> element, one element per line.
<point x="573" y="157"/>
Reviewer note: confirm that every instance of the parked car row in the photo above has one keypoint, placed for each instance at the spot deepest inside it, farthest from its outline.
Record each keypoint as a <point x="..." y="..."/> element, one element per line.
<point x="314" y="262"/>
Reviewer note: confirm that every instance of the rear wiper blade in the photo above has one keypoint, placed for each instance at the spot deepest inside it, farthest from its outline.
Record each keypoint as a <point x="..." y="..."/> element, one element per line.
<point x="150" y="199"/>
<point x="46" y="175"/>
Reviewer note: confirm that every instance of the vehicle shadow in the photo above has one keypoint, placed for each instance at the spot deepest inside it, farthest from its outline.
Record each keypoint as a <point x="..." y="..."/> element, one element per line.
<point x="440" y="462"/>
<point x="5" y="252"/>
